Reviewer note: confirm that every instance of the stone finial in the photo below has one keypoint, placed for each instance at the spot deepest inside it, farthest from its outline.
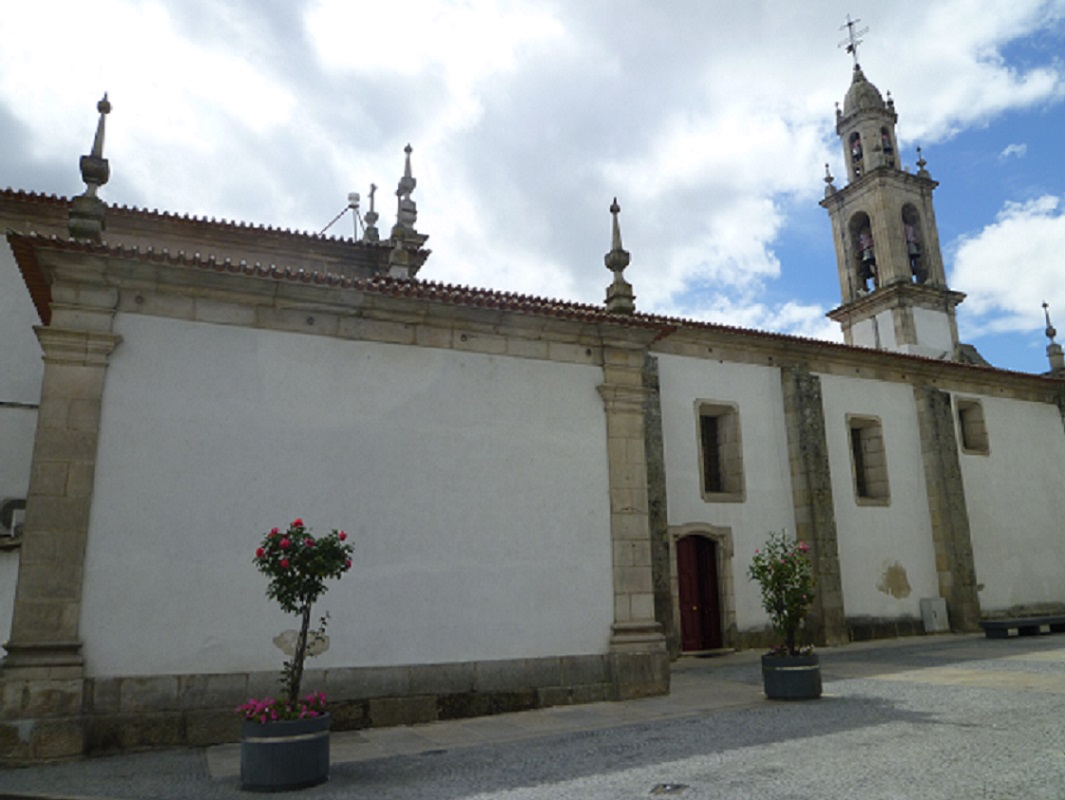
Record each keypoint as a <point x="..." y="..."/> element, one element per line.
<point x="407" y="210"/>
<point x="370" y="233"/>
<point x="1054" y="351"/>
<point x="619" y="296"/>
<point x="921" y="164"/>
<point x="86" y="220"/>
<point x="830" y="188"/>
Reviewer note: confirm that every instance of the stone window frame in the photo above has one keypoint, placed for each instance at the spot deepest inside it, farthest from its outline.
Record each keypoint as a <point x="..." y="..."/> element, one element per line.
<point x="729" y="485"/>
<point x="972" y="426"/>
<point x="868" y="457"/>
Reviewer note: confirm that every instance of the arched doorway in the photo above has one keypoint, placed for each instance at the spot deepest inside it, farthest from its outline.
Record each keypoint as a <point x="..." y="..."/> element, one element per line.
<point x="699" y="594"/>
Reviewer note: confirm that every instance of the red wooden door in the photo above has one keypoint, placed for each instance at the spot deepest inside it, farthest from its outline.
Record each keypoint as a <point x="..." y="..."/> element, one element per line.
<point x="700" y="608"/>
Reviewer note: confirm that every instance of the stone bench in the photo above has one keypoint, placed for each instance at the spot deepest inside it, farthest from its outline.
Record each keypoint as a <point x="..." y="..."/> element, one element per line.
<point x="1025" y="626"/>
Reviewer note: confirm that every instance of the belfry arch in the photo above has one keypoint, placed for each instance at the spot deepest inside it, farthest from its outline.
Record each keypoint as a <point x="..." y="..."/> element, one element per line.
<point x="863" y="253"/>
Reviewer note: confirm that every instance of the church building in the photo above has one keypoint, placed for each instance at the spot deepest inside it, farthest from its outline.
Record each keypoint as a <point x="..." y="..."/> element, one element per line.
<point x="549" y="501"/>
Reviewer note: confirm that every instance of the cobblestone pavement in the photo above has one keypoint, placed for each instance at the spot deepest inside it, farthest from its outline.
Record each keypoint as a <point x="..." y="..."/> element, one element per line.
<point x="929" y="718"/>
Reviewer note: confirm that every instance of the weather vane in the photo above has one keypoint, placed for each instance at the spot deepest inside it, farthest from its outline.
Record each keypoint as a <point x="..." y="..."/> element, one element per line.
<point x="853" y="37"/>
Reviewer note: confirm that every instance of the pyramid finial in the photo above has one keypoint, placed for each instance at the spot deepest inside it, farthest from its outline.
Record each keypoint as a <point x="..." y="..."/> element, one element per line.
<point x="619" y="296"/>
<point x="86" y="220"/>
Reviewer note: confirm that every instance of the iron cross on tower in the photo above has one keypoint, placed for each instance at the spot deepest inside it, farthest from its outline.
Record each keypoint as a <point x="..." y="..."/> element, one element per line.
<point x="852" y="41"/>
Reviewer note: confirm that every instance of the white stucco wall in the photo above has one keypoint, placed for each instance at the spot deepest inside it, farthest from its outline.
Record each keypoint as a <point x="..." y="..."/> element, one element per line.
<point x="757" y="393"/>
<point x="474" y="487"/>
<point x="1016" y="504"/>
<point x="875" y="542"/>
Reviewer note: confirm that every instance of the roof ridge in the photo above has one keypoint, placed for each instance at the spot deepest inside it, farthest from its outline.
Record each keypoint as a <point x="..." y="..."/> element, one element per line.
<point x="193" y="219"/>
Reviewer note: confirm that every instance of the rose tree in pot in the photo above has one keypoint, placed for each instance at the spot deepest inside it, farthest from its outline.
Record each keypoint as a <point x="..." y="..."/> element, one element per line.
<point x="285" y="742"/>
<point x="782" y="568"/>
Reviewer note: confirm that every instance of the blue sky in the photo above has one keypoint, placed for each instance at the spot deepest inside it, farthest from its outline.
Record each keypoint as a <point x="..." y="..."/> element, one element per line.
<point x="710" y="122"/>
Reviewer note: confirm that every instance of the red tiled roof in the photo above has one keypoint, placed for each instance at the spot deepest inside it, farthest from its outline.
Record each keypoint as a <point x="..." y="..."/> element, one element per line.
<point x="25" y="245"/>
<point x="187" y="219"/>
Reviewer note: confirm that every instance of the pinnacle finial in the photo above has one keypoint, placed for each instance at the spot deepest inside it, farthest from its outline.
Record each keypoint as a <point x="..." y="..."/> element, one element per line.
<point x="370" y="233"/>
<point x="619" y="296"/>
<point x="921" y="163"/>
<point x="407" y="210"/>
<point x="1055" y="355"/>
<point x="830" y="188"/>
<point x="86" y="220"/>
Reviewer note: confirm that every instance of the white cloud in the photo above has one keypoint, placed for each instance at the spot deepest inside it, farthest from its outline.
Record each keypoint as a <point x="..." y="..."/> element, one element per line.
<point x="1018" y="150"/>
<point x="709" y="121"/>
<point x="1010" y="267"/>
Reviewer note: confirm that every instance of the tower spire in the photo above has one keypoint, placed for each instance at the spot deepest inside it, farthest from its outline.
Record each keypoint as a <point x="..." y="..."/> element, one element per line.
<point x="86" y="220"/>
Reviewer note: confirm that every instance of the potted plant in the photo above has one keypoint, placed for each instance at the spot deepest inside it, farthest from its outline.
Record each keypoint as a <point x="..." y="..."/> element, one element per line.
<point x="285" y="742"/>
<point x="782" y="568"/>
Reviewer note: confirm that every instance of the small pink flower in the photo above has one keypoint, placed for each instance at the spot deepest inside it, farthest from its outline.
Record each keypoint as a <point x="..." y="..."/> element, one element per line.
<point x="297" y="522"/>
<point x="259" y="553"/>
<point x="308" y="542"/>
<point x="284" y="563"/>
<point x="274" y="532"/>
<point x="284" y="544"/>
<point x="342" y="536"/>
<point x="347" y="563"/>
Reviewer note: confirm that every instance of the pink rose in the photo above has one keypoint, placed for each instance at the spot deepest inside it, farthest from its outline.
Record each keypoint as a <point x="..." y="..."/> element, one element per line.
<point x="273" y="532"/>
<point x="308" y="542"/>
<point x="342" y="536"/>
<point x="259" y="553"/>
<point x="284" y="543"/>
<point x="297" y="522"/>
<point x="347" y="564"/>
<point x="284" y="563"/>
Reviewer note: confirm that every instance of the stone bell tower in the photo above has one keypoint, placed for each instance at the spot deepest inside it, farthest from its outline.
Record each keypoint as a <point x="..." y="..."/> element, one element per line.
<point x="891" y="276"/>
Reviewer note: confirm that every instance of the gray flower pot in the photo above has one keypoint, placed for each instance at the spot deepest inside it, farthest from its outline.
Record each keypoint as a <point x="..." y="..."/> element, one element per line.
<point x="279" y="756"/>
<point x="791" y="677"/>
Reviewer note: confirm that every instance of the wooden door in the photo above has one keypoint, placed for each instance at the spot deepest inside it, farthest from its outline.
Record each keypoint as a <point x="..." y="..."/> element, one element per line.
<point x="700" y="606"/>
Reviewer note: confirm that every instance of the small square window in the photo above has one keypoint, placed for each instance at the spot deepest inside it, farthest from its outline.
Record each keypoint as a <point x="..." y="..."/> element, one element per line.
<point x="868" y="461"/>
<point x="972" y="428"/>
<point x="720" y="453"/>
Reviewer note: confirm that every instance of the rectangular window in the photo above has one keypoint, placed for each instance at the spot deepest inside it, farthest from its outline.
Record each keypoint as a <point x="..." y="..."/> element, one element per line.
<point x="868" y="461"/>
<point x="720" y="453"/>
<point x="972" y="427"/>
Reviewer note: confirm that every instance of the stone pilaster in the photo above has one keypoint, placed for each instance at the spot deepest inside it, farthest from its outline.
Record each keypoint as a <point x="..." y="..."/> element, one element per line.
<point x="41" y="681"/>
<point x="658" y="518"/>
<point x="635" y="629"/>
<point x="955" y="565"/>
<point x="811" y="486"/>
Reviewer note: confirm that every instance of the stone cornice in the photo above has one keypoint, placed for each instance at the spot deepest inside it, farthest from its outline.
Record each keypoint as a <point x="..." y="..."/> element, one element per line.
<point x="898" y="295"/>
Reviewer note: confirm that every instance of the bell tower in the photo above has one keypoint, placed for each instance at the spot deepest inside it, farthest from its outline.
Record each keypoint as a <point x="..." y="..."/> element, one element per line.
<point x="891" y="276"/>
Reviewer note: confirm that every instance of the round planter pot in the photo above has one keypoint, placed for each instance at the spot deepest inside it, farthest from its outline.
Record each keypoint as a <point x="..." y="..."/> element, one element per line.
<point x="279" y="756"/>
<point x="791" y="677"/>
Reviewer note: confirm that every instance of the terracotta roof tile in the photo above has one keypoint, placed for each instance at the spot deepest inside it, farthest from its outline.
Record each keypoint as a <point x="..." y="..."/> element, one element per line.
<point x="25" y="245"/>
